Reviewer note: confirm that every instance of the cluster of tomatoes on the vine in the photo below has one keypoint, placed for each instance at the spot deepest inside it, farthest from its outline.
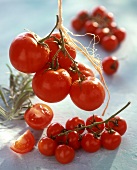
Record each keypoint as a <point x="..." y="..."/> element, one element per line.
<point x="62" y="141"/>
<point x="100" y="23"/>
<point x="56" y="73"/>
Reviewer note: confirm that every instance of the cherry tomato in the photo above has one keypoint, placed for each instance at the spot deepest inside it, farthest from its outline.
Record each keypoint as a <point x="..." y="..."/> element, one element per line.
<point x="101" y="33"/>
<point x="118" y="124"/>
<point x="75" y="122"/>
<point x="99" y="11"/>
<point x="51" y="86"/>
<point x="83" y="69"/>
<point x="47" y="146"/>
<point x="38" y="116"/>
<point x="110" y="65"/>
<point x="64" y="154"/>
<point x="73" y="140"/>
<point x="77" y="24"/>
<point x="110" y="140"/>
<point x="109" y="17"/>
<point x="90" y="143"/>
<point x="65" y="58"/>
<point x="25" y="143"/>
<point x="109" y="42"/>
<point x="88" y="94"/>
<point x="120" y="33"/>
<point x="91" y="26"/>
<point x="53" y="130"/>
<point x="26" y="54"/>
<point x="83" y="15"/>
<point x="92" y="119"/>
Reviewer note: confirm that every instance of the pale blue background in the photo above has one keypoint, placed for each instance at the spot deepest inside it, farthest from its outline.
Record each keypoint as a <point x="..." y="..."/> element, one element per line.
<point x="39" y="16"/>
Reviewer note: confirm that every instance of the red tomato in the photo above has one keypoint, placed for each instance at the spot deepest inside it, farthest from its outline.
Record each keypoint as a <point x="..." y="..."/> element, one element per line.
<point x="75" y="122"/>
<point x="73" y="140"/>
<point x="99" y="11"/>
<point x="53" y="130"/>
<point x="64" y="154"/>
<point x="77" y="24"/>
<point x="26" y="54"/>
<point x="118" y="124"/>
<point x="101" y="33"/>
<point x="91" y="26"/>
<point x="38" y="116"/>
<point x="89" y="143"/>
<point x="110" y="140"/>
<point x="64" y="58"/>
<point x="83" y="15"/>
<point x="110" y="65"/>
<point x="25" y="143"/>
<point x="120" y="33"/>
<point x="109" y="42"/>
<point x="92" y="119"/>
<point x="51" y="86"/>
<point x="109" y="17"/>
<point x="47" y="146"/>
<point x="88" y="94"/>
<point x="82" y="69"/>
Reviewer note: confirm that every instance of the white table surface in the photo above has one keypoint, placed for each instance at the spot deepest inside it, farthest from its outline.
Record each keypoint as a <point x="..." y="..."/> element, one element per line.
<point x="39" y="16"/>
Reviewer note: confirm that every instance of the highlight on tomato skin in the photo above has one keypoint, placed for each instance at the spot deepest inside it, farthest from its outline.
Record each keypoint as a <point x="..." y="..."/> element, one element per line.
<point x="88" y="94"/>
<point x="26" y="54"/>
<point x="38" y="116"/>
<point x="25" y="143"/>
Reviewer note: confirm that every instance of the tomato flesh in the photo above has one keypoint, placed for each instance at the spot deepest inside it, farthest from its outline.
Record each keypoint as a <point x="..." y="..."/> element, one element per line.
<point x="24" y="143"/>
<point x="38" y="116"/>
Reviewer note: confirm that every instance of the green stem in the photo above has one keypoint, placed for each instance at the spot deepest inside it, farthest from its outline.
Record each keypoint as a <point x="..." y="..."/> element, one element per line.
<point x="95" y="123"/>
<point x="43" y="39"/>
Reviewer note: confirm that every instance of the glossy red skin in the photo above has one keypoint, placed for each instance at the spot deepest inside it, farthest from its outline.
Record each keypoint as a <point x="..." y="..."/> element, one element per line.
<point x="89" y="143"/>
<point x="64" y="58"/>
<point x="53" y="130"/>
<point x="88" y="94"/>
<point x="64" y="154"/>
<point x="118" y="124"/>
<point x="73" y="139"/>
<point x="120" y="33"/>
<point x="92" y="119"/>
<point x="101" y="33"/>
<point x="111" y="140"/>
<point x="110" y="65"/>
<point x="73" y="123"/>
<point x="51" y="86"/>
<point x="109" y="17"/>
<point x="83" y="15"/>
<point x="25" y="143"/>
<point x="38" y="116"/>
<point x="77" y="24"/>
<point x="26" y="54"/>
<point x="47" y="146"/>
<point x="83" y="69"/>
<point x="91" y="26"/>
<point x="110" y="43"/>
<point x="99" y="10"/>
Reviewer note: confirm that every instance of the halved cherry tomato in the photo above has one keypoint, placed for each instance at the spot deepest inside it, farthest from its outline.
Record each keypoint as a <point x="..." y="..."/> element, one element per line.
<point x="51" y="86"/>
<point x="24" y="143"/>
<point x="88" y="94"/>
<point x="38" y="116"/>
<point x="26" y="54"/>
